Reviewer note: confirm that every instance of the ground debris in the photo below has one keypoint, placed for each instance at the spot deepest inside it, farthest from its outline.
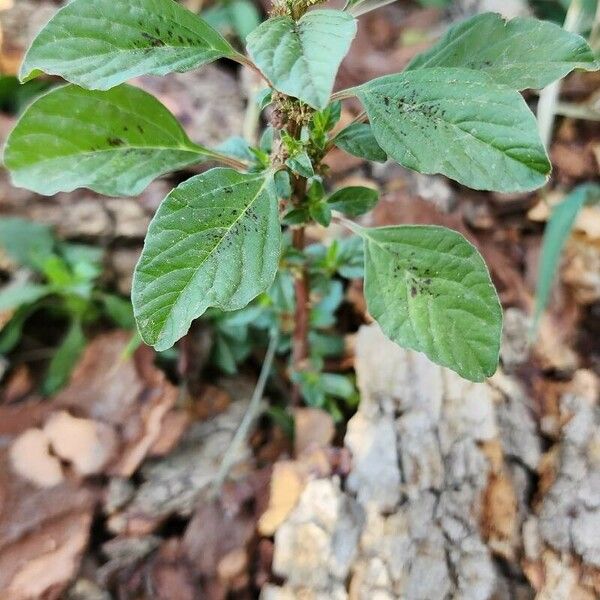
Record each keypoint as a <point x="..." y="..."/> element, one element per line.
<point x="173" y="484"/>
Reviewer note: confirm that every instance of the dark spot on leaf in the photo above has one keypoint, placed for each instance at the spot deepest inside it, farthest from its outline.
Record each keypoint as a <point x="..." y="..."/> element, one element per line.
<point x="115" y="141"/>
<point x="154" y="41"/>
<point x="413" y="291"/>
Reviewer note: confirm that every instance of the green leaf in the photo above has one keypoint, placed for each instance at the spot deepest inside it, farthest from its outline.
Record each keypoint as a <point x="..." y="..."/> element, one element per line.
<point x="301" y="58"/>
<point x="10" y="334"/>
<point x="283" y="184"/>
<point x="459" y="123"/>
<point x="64" y="359"/>
<point x="521" y="53"/>
<point x="556" y="235"/>
<point x="301" y="164"/>
<point x="27" y="242"/>
<point x="99" y="44"/>
<point x="429" y="290"/>
<point x="337" y="385"/>
<point x="321" y="213"/>
<point x="119" y="311"/>
<point x="15" y="296"/>
<point x="15" y="96"/>
<point x="241" y="16"/>
<point x="113" y="142"/>
<point x="263" y="98"/>
<point x="214" y="241"/>
<point x="358" y="139"/>
<point x="353" y="200"/>
<point x="222" y="355"/>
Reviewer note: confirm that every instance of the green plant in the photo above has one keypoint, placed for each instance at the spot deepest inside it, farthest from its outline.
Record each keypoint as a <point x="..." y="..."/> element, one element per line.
<point x="216" y="240"/>
<point x="229" y="17"/>
<point x="560" y="224"/>
<point x="60" y="278"/>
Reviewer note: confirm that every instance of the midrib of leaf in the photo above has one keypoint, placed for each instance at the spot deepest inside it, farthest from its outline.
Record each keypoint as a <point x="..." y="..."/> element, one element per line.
<point x="141" y="13"/>
<point x="306" y="63"/>
<point x="210" y="254"/>
<point x="514" y="35"/>
<point x="437" y="119"/>
<point x="192" y="147"/>
<point x="464" y="261"/>
<point x="411" y="306"/>
<point x="449" y="47"/>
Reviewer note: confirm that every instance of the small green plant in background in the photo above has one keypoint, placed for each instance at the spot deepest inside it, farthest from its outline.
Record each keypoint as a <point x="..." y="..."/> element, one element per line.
<point x="61" y="279"/>
<point x="233" y="17"/>
<point x="558" y="230"/>
<point x="222" y="238"/>
<point x="237" y="333"/>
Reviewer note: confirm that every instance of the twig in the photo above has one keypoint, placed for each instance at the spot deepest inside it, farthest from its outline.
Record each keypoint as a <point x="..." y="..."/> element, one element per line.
<point x="251" y="414"/>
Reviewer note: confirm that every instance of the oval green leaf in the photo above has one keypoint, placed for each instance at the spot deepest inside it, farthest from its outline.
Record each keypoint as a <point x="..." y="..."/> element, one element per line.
<point x="301" y="58"/>
<point x="214" y="241"/>
<point x="429" y="290"/>
<point x="459" y="123"/>
<point x="358" y="139"/>
<point x="114" y="142"/>
<point x="99" y="44"/>
<point x="353" y="200"/>
<point x="521" y="53"/>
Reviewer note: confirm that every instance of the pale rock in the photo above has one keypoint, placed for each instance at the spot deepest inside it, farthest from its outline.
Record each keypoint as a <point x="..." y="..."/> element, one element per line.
<point x="375" y="475"/>
<point x="315" y="547"/>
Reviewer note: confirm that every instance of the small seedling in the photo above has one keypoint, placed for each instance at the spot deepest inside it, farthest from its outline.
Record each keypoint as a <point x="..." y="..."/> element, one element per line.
<point x="560" y="224"/>
<point x="60" y="278"/>
<point x="216" y="240"/>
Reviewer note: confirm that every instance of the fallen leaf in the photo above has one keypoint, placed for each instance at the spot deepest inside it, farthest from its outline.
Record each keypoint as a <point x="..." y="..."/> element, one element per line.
<point x="130" y="395"/>
<point x="44" y="518"/>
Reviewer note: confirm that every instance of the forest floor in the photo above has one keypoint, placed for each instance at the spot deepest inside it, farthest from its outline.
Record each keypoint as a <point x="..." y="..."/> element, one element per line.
<point x="434" y="488"/>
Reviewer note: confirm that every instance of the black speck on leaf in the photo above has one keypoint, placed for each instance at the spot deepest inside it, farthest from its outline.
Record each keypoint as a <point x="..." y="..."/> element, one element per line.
<point x="115" y="141"/>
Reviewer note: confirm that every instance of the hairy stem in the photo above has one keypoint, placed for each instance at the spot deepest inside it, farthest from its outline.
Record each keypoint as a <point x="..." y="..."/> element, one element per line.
<point x="300" y="345"/>
<point x="246" y="62"/>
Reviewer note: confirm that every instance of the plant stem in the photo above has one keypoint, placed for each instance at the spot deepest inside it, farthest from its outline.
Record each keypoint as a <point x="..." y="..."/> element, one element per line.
<point x="230" y="161"/>
<point x="246" y="62"/>
<point x="250" y="415"/>
<point x="342" y="94"/>
<point x="300" y="345"/>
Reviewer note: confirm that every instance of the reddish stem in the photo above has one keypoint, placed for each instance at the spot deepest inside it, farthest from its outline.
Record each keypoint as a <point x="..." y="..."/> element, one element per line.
<point x="300" y="346"/>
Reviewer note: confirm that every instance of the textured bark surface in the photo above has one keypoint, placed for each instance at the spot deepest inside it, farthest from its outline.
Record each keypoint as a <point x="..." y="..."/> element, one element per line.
<point x="443" y="498"/>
